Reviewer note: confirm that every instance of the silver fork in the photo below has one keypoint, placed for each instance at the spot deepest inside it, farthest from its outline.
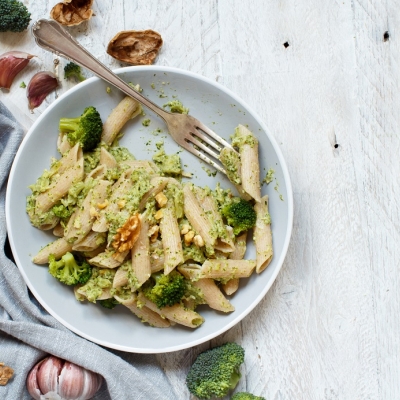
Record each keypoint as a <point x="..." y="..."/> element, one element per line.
<point x="186" y="130"/>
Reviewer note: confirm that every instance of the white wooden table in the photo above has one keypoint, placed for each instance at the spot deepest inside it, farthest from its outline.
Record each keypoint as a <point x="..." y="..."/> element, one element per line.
<point x="326" y="82"/>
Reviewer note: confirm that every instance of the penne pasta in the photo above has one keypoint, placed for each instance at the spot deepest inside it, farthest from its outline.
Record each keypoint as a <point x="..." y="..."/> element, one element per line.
<point x="175" y="313"/>
<point x="171" y="239"/>
<point x="140" y="254"/>
<point x="59" y="247"/>
<point x="263" y="235"/>
<point x="213" y="296"/>
<point x="127" y="109"/>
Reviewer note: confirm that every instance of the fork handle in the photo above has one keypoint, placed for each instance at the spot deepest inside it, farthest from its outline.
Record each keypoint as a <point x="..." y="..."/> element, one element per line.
<point x="51" y="36"/>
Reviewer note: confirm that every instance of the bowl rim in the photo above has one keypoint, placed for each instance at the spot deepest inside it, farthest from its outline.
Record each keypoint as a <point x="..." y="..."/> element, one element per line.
<point x="289" y="200"/>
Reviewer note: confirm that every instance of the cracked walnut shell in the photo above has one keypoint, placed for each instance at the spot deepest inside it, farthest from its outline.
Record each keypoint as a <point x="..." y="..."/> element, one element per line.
<point x="127" y="234"/>
<point x="72" y="12"/>
<point x="135" y="47"/>
<point x="6" y="373"/>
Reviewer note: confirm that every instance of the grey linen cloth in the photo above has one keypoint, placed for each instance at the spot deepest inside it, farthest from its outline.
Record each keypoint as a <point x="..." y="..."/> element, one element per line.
<point x="28" y="333"/>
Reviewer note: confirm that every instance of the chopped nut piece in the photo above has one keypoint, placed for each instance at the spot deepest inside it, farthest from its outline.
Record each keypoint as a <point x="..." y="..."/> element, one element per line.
<point x="161" y="199"/>
<point x="6" y="373"/>
<point x="103" y="205"/>
<point x="159" y="214"/>
<point x="135" y="47"/>
<point x="93" y="212"/>
<point x="153" y="233"/>
<point x="188" y="238"/>
<point x="121" y="204"/>
<point x="127" y="234"/>
<point x="72" y="12"/>
<point x="185" y="229"/>
<point x="198" y="241"/>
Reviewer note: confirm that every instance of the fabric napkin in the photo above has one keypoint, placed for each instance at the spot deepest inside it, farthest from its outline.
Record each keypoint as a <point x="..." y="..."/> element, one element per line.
<point x="28" y="333"/>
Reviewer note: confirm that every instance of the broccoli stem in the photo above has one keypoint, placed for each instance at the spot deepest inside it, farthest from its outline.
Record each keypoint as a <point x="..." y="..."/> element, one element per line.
<point x="69" y="124"/>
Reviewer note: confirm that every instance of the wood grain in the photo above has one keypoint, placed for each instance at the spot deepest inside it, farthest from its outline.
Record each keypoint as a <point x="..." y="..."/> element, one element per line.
<point x="327" y="84"/>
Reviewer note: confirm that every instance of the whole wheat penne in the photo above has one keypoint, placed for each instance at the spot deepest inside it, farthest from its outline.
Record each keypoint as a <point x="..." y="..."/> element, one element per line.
<point x="197" y="216"/>
<point x="226" y="269"/>
<point x="69" y="158"/>
<point x="175" y="313"/>
<point x="158" y="184"/>
<point x="171" y="239"/>
<point x="59" y="247"/>
<point x="92" y="241"/>
<point x="108" y="259"/>
<point x="223" y="234"/>
<point x="250" y="165"/>
<point x="58" y="230"/>
<point x="63" y="145"/>
<point x="140" y="254"/>
<point x="263" y="235"/>
<point x="213" y="296"/>
<point x="127" y="109"/>
<point x="144" y="313"/>
<point x="59" y="188"/>
<point x="107" y="159"/>
<point x="230" y="159"/>
<point x="120" y="278"/>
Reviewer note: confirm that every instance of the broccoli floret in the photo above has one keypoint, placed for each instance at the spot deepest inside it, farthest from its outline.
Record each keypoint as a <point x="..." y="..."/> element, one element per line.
<point x="246" y="396"/>
<point x="165" y="290"/>
<point x="240" y="215"/>
<point x="109" y="303"/>
<point x="85" y="129"/>
<point x="215" y="371"/>
<point x="14" y="16"/>
<point x="68" y="270"/>
<point x="61" y="211"/>
<point x="72" y="70"/>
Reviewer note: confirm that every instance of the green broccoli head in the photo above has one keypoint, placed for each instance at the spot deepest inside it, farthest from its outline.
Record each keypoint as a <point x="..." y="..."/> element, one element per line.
<point x="109" y="303"/>
<point x="165" y="290"/>
<point x="72" y="70"/>
<point x="246" y="396"/>
<point x="68" y="270"/>
<point x="14" y="16"/>
<point x="85" y="129"/>
<point x="215" y="371"/>
<point x="61" y="211"/>
<point x="240" y="215"/>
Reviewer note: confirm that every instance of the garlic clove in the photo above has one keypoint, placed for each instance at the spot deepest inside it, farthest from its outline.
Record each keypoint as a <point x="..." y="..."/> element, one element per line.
<point x="39" y="87"/>
<point x="78" y="383"/>
<point x="47" y="375"/>
<point x="91" y="384"/>
<point x="11" y="64"/>
<point x="71" y="381"/>
<point x="32" y="383"/>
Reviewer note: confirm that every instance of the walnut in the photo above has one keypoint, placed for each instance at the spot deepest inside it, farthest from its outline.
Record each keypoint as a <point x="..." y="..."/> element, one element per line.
<point x="161" y="199"/>
<point x="127" y="234"/>
<point x="188" y="237"/>
<point x="6" y="373"/>
<point x="135" y="47"/>
<point x="72" y="12"/>
<point x="198" y="241"/>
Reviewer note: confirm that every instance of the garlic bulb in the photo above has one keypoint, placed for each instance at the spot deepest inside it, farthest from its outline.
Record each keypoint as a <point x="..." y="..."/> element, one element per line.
<point x="11" y="64"/>
<point x="39" y="87"/>
<point x="56" y="379"/>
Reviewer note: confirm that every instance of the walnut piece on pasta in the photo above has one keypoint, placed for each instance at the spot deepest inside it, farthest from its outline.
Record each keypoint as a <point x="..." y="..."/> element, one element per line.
<point x="127" y="234"/>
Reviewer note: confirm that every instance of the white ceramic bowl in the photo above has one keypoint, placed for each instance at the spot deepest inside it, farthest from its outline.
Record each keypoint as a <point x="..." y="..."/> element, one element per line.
<point x="212" y="104"/>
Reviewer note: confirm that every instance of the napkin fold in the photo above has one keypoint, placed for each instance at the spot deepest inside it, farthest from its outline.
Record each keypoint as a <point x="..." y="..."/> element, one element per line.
<point x="28" y="333"/>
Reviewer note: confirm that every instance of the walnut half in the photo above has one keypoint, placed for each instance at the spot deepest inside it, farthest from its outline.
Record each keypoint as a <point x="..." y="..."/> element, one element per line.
<point x="72" y="12"/>
<point x="6" y="373"/>
<point x="135" y="47"/>
<point x="127" y="234"/>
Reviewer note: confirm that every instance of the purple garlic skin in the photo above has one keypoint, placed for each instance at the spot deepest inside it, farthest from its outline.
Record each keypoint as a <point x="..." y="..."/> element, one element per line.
<point x="62" y="380"/>
<point x="39" y="87"/>
<point x="11" y="64"/>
